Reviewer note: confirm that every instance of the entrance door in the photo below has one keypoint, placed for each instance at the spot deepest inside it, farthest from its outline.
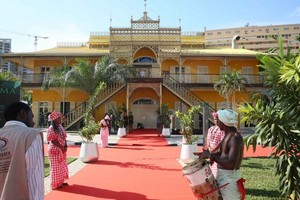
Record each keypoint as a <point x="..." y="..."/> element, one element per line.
<point x="144" y="111"/>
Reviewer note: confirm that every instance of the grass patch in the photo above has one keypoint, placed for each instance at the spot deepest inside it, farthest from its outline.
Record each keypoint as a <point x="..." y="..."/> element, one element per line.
<point x="261" y="182"/>
<point x="47" y="164"/>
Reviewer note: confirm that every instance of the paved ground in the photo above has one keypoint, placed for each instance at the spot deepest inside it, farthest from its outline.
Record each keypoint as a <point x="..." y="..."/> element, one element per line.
<point x="73" y="139"/>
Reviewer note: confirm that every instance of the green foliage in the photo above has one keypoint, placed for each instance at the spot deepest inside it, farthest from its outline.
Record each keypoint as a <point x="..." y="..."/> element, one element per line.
<point x="26" y="96"/>
<point x="116" y="113"/>
<point x="86" y="76"/>
<point x="277" y="112"/>
<point x="91" y="128"/>
<point x="187" y="123"/>
<point x="8" y="76"/>
<point x="89" y="78"/>
<point x="166" y="113"/>
<point x="228" y="83"/>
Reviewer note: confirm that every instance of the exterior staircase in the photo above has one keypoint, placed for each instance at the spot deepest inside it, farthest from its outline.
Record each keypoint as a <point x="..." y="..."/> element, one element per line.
<point x="187" y="96"/>
<point x="77" y="114"/>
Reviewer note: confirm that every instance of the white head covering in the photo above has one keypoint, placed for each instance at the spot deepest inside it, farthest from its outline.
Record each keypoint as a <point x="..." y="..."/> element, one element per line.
<point x="227" y="117"/>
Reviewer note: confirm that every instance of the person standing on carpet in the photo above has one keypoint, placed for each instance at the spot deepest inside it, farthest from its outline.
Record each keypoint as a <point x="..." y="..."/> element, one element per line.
<point x="57" y="149"/>
<point x="104" y="130"/>
<point x="159" y="124"/>
<point x="22" y="155"/>
<point x="213" y="141"/>
<point x="125" y="120"/>
<point x="130" y="121"/>
<point x="230" y="157"/>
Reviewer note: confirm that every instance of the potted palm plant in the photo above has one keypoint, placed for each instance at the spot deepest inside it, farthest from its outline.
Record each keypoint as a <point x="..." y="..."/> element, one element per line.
<point x="119" y="120"/>
<point x="89" y="149"/>
<point x="187" y="125"/>
<point x="166" y="114"/>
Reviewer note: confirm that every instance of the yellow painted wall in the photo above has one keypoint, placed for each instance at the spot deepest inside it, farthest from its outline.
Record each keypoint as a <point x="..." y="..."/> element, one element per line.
<point x="213" y="65"/>
<point x="238" y="64"/>
<point x="77" y="96"/>
<point x="119" y="98"/>
<point x="51" y="95"/>
<point x="166" y="64"/>
<point x="144" y="52"/>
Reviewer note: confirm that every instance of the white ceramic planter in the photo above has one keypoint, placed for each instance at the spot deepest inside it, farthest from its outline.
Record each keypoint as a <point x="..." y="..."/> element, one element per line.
<point x="166" y="132"/>
<point x="89" y="152"/>
<point x="122" y="132"/>
<point x="187" y="150"/>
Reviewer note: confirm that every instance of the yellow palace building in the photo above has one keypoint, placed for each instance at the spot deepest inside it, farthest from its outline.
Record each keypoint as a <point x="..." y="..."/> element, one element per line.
<point x="173" y="67"/>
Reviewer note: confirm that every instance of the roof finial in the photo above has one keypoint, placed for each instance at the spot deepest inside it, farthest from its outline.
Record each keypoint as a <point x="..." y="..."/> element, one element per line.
<point x="110" y="20"/>
<point x="145" y="5"/>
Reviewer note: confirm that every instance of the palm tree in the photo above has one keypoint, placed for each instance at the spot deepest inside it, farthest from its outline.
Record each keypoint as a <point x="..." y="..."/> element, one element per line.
<point x="88" y="77"/>
<point x="229" y="83"/>
<point x="278" y="115"/>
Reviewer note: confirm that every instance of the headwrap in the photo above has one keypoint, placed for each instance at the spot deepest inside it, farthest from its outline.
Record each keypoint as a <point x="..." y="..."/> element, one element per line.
<point x="214" y="114"/>
<point x="227" y="117"/>
<point x="54" y="115"/>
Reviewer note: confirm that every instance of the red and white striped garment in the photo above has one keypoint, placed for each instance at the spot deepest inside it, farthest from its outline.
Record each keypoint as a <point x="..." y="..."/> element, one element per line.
<point x="214" y="137"/>
<point x="58" y="160"/>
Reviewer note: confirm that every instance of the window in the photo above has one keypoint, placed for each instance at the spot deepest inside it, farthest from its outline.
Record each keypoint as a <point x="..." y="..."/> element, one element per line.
<point x="145" y="102"/>
<point x="145" y="60"/>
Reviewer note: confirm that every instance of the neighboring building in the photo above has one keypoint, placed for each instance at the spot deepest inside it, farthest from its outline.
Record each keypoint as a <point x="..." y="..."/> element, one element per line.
<point x="174" y="68"/>
<point x="257" y="38"/>
<point x="5" y="47"/>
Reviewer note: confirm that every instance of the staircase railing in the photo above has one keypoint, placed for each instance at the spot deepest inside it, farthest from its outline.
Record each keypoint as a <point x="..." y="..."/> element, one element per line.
<point x="186" y="95"/>
<point x="78" y="112"/>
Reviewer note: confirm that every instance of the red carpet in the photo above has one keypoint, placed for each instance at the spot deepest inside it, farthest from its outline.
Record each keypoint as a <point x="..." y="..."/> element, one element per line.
<point x="139" y="167"/>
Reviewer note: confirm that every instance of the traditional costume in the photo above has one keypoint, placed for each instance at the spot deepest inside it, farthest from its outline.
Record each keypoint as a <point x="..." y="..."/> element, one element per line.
<point x="58" y="159"/>
<point x="234" y="190"/>
<point x="214" y="137"/>
<point x="104" y="131"/>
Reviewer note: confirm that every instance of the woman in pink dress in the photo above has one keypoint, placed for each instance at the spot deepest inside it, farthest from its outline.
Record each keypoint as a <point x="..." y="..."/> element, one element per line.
<point x="214" y="138"/>
<point x="104" y="130"/>
<point x="57" y="148"/>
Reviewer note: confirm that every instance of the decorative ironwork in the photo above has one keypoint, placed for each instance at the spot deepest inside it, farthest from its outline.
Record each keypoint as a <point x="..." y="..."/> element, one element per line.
<point x="145" y="32"/>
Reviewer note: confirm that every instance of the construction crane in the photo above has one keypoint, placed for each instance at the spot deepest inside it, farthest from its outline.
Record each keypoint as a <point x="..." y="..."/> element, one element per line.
<point x="29" y="35"/>
<point x="35" y="40"/>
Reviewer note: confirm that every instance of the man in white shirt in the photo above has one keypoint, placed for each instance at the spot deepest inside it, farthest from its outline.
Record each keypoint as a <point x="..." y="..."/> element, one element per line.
<point x="21" y="155"/>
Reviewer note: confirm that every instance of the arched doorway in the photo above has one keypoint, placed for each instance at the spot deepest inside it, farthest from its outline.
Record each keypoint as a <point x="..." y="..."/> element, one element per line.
<point x="144" y="111"/>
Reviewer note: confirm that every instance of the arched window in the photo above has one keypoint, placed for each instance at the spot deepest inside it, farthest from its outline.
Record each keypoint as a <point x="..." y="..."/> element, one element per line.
<point x="145" y="60"/>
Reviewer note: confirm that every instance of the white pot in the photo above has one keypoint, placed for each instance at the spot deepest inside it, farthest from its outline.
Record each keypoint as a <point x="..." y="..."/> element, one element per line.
<point x="122" y="132"/>
<point x="187" y="152"/>
<point x="166" y="132"/>
<point x="89" y="152"/>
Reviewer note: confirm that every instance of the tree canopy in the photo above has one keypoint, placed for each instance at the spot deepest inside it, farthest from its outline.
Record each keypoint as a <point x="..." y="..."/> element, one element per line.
<point x="277" y="112"/>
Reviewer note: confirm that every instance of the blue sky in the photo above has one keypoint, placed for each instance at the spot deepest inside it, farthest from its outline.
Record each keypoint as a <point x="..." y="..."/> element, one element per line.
<point x="73" y="20"/>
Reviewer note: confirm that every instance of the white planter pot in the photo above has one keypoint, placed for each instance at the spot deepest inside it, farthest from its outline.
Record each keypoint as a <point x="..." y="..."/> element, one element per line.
<point x="89" y="152"/>
<point x="122" y="132"/>
<point x="166" y="132"/>
<point x="187" y="152"/>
